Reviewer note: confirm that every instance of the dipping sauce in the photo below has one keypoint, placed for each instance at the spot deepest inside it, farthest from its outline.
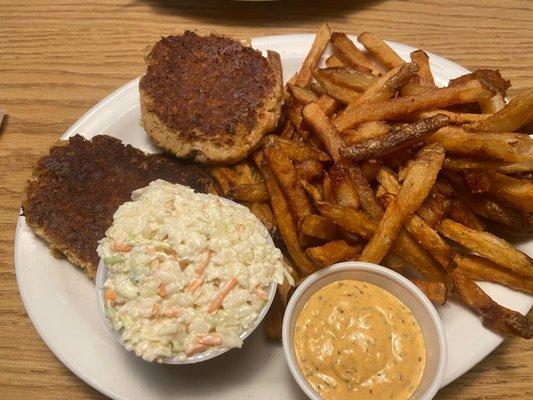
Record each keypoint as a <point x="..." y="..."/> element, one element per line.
<point x="354" y="340"/>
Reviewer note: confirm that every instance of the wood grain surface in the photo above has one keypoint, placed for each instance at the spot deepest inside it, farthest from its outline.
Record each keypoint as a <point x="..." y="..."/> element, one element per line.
<point x="58" y="58"/>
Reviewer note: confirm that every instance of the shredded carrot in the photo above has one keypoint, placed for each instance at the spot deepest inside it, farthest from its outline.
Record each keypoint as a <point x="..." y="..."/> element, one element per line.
<point x="198" y="348"/>
<point x="217" y="302"/>
<point x="162" y="290"/>
<point x="110" y="295"/>
<point x="121" y="247"/>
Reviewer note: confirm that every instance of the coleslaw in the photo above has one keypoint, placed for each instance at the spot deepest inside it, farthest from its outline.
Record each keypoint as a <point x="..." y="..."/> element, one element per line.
<point x="187" y="272"/>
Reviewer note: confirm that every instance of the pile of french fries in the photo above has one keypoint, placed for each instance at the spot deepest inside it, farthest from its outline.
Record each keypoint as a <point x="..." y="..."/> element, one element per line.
<point x="373" y="162"/>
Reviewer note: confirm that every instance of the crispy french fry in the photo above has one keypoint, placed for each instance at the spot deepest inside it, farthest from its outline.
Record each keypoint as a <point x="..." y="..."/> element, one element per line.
<point x="421" y="58"/>
<point x="387" y="86"/>
<point x="304" y="96"/>
<point x="283" y="217"/>
<point x="339" y="92"/>
<point x="325" y="130"/>
<point x="517" y="192"/>
<point x="380" y="50"/>
<point x="517" y="113"/>
<point x="398" y="137"/>
<point x="488" y="246"/>
<point x="416" y="187"/>
<point x="287" y="130"/>
<point x="319" y="227"/>
<point x="365" y="131"/>
<point x="319" y="45"/>
<point x="348" y="52"/>
<point x="481" y="269"/>
<point x="360" y="224"/>
<point x="508" y="147"/>
<point x="366" y="195"/>
<point x="461" y="164"/>
<point x="311" y="190"/>
<point x="327" y="104"/>
<point x="332" y="252"/>
<point x="327" y="192"/>
<point x="370" y="168"/>
<point x="456" y="118"/>
<point x="461" y="213"/>
<point x="334" y="61"/>
<point x="356" y="79"/>
<point x="434" y="291"/>
<point x="470" y="293"/>
<point x="248" y="192"/>
<point x="487" y="208"/>
<point x="285" y="173"/>
<point x="316" y="88"/>
<point x="492" y="105"/>
<point x="298" y="151"/>
<point x="394" y="108"/>
<point x="263" y="212"/>
<point x="343" y="186"/>
<point x="309" y="170"/>
<point x="395" y="263"/>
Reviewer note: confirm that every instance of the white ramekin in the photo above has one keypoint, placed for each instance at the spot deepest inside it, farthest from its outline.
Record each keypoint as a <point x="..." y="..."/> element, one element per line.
<point x="101" y="276"/>
<point x="422" y="309"/>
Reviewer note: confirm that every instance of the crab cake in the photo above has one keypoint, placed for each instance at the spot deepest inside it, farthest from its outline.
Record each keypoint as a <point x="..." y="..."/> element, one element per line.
<point x="208" y="97"/>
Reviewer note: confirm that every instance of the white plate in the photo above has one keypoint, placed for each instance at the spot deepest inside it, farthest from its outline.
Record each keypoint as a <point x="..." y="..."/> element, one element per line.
<point x="61" y="302"/>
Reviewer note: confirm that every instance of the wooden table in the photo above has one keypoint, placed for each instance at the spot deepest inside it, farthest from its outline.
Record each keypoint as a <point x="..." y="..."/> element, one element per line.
<point x="58" y="58"/>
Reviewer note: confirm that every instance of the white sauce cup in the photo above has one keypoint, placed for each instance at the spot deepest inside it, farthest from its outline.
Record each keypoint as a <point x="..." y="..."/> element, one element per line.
<point x="394" y="283"/>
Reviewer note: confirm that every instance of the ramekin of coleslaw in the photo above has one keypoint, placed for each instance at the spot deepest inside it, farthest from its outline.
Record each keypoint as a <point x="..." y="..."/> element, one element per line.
<point x="185" y="276"/>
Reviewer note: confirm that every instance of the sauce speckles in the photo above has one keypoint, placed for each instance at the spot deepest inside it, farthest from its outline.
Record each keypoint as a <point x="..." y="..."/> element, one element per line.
<point x="354" y="340"/>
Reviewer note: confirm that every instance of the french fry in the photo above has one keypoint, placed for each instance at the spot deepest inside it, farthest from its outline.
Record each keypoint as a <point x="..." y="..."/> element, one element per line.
<point x="332" y="252"/>
<point x="380" y="50"/>
<point x="507" y="147"/>
<point x="339" y="92"/>
<point x="319" y="45"/>
<point x="309" y="170"/>
<point x="263" y="212"/>
<point x="437" y="292"/>
<point x="403" y="246"/>
<point x="421" y="58"/>
<point x="395" y="263"/>
<point x="461" y="213"/>
<point x="370" y="168"/>
<point x="416" y="187"/>
<point x="316" y="88"/>
<point x="334" y="61"/>
<point x="456" y="118"/>
<point x="488" y="246"/>
<point x="366" y="195"/>
<point x="311" y="190"/>
<point x="348" y="52"/>
<point x="488" y="208"/>
<point x="356" y="79"/>
<point x="398" y="137"/>
<point x="517" y="113"/>
<point x="327" y="104"/>
<point x="461" y="164"/>
<point x="225" y="176"/>
<point x="285" y="173"/>
<point x="325" y="130"/>
<point x="298" y="151"/>
<point x="395" y="108"/>
<point x="387" y="86"/>
<point x="470" y="293"/>
<point x="327" y="192"/>
<point x="304" y="96"/>
<point x="481" y="269"/>
<point x="517" y="192"/>
<point x="343" y="186"/>
<point x="365" y="131"/>
<point x="248" y="192"/>
<point x="283" y="217"/>
<point x="492" y="105"/>
<point x="319" y="227"/>
<point x="288" y="130"/>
